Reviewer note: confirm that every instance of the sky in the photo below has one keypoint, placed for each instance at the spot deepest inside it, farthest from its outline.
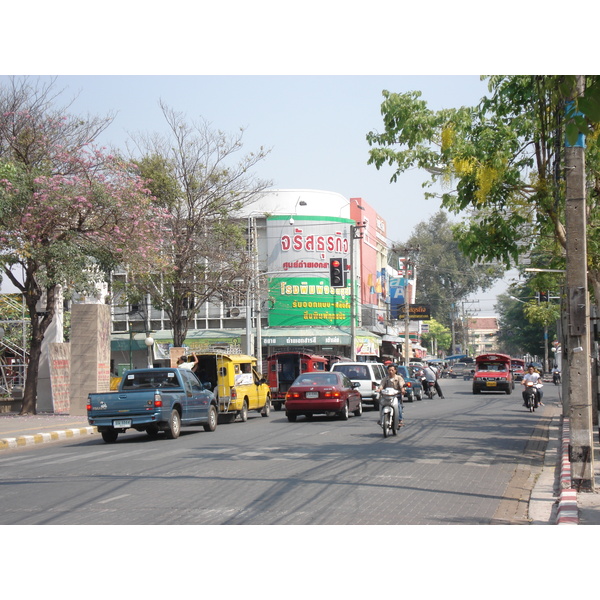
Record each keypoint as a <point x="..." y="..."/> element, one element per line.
<point x="314" y="127"/>
<point x="305" y="83"/>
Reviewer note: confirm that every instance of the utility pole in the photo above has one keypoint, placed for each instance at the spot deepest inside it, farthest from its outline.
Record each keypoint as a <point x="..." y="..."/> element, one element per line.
<point x="355" y="234"/>
<point x="408" y="263"/>
<point x="577" y="351"/>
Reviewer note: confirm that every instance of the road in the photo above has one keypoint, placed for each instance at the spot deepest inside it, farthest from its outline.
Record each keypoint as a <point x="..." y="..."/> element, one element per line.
<point x="452" y="463"/>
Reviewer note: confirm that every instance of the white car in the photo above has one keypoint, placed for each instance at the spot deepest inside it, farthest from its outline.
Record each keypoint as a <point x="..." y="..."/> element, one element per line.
<point x="368" y="374"/>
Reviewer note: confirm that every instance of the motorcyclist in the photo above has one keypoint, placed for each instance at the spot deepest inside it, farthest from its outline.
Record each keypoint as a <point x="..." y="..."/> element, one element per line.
<point x="533" y="376"/>
<point x="393" y="380"/>
<point x="430" y="375"/>
<point x="556" y="375"/>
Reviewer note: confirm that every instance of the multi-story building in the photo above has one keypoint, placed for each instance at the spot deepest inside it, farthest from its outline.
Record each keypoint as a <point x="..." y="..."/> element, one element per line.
<point x="292" y="235"/>
<point x="482" y="335"/>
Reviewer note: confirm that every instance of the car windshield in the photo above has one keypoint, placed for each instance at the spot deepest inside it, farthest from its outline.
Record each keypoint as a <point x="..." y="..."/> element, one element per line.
<point x="354" y="371"/>
<point x="316" y="379"/>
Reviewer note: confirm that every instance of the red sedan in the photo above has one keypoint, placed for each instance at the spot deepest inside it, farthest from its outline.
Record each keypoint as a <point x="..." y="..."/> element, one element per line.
<point x="331" y="394"/>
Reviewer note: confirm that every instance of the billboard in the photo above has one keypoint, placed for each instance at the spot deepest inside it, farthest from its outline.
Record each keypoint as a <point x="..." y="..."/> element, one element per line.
<point x="298" y="267"/>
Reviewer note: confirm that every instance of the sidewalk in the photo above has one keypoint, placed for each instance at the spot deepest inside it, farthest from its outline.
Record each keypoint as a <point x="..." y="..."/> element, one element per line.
<point x="17" y="431"/>
<point x="553" y="500"/>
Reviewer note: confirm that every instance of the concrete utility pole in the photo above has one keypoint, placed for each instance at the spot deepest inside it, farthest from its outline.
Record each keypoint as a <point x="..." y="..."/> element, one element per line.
<point x="577" y="351"/>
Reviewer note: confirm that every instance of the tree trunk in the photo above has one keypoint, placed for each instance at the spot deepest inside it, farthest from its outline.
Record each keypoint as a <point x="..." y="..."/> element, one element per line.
<point x="39" y="326"/>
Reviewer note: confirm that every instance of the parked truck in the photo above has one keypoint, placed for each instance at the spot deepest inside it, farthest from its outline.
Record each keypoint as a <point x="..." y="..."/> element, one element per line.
<point x="153" y="400"/>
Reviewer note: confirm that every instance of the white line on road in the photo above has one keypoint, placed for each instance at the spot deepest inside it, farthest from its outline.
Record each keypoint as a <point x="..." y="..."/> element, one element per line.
<point x="113" y="498"/>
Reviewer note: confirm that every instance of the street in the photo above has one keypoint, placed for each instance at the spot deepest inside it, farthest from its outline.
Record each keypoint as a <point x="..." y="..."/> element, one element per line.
<point x="451" y="464"/>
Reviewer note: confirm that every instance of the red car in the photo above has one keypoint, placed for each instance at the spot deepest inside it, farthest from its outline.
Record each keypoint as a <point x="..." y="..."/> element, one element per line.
<point x="331" y="394"/>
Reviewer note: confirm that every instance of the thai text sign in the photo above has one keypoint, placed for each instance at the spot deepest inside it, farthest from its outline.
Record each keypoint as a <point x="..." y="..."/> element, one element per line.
<point x="307" y="301"/>
<point x="416" y="312"/>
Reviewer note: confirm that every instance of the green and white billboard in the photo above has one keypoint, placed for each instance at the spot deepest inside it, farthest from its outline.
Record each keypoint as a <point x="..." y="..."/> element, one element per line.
<point x="298" y="266"/>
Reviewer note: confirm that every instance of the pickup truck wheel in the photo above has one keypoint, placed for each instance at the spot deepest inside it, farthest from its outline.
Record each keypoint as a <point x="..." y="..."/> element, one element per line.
<point x="174" y="425"/>
<point x="212" y="419"/>
<point x="110" y="436"/>
<point x="244" y="412"/>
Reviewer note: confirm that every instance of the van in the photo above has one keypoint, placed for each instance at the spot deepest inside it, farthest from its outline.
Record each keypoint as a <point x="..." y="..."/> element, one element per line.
<point x="284" y="367"/>
<point x="368" y="374"/>
<point x="493" y="374"/>
<point x="235" y="382"/>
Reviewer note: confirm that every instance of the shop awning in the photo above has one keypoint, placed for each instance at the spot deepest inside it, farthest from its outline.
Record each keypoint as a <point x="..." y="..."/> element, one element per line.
<point x="126" y="342"/>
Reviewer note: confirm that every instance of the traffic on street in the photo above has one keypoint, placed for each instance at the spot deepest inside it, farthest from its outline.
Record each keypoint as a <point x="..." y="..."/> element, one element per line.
<point x="451" y="463"/>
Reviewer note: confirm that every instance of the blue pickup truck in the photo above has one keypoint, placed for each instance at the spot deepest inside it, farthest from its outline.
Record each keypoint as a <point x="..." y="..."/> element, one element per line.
<point x="153" y="400"/>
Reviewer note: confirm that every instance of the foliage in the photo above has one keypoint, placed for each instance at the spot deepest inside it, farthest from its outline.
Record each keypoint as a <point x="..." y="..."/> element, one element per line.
<point x="439" y="336"/>
<point x="445" y="276"/>
<point x="68" y="211"/>
<point x="501" y="162"/>
<point x="521" y="331"/>
<point x="191" y="172"/>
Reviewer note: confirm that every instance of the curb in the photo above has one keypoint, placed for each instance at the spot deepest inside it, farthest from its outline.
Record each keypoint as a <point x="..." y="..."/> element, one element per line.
<point x="567" y="513"/>
<point x="40" y="438"/>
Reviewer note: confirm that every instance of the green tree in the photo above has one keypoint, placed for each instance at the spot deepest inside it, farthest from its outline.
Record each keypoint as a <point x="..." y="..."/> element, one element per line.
<point x="500" y="162"/>
<point x="192" y="171"/>
<point x="438" y="339"/>
<point x="445" y="275"/>
<point x="68" y="211"/>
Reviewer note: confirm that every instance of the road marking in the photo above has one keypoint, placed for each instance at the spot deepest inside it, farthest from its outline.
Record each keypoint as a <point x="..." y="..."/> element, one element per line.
<point x="113" y="498"/>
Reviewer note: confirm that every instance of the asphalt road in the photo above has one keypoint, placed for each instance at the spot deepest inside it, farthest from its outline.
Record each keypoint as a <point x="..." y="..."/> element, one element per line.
<point x="451" y="464"/>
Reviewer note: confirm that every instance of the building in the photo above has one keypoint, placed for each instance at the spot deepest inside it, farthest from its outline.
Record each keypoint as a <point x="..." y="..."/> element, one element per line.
<point x="482" y="335"/>
<point x="292" y="236"/>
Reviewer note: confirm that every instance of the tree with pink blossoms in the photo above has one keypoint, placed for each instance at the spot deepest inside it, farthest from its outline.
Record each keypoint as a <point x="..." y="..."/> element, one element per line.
<point x="69" y="212"/>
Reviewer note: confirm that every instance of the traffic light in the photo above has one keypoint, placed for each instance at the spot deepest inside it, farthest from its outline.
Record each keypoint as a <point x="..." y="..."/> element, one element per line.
<point x="336" y="273"/>
<point x="543" y="296"/>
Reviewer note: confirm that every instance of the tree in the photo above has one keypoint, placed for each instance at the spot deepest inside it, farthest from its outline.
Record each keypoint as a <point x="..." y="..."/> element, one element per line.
<point x="68" y="211"/>
<point x="438" y="338"/>
<point x="505" y="157"/>
<point x="191" y="173"/>
<point x="445" y="276"/>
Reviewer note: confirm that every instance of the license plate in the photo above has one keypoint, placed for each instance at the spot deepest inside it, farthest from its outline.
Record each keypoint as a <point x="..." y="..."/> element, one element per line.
<point x="490" y="383"/>
<point x="122" y="423"/>
<point x="312" y="394"/>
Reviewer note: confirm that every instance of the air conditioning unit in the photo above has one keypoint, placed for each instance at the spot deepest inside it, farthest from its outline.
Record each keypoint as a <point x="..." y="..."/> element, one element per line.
<point x="237" y="312"/>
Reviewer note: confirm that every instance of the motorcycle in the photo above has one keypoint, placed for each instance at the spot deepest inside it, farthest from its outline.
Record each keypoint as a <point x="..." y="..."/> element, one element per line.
<point x="531" y="396"/>
<point x="429" y="387"/>
<point x="386" y="402"/>
<point x="556" y="377"/>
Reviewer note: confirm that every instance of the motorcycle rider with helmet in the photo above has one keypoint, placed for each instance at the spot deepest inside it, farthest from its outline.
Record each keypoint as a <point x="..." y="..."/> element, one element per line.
<point x="393" y="380"/>
<point x="533" y="376"/>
